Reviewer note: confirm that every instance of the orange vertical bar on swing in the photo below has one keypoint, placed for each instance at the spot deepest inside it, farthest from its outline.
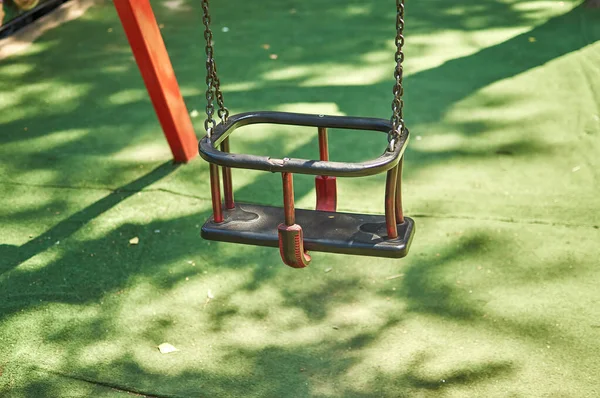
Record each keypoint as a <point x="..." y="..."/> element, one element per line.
<point x="153" y="61"/>
<point x="325" y="186"/>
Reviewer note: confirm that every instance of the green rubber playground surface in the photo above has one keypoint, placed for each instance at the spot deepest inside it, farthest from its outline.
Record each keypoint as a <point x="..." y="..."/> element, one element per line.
<point x="500" y="293"/>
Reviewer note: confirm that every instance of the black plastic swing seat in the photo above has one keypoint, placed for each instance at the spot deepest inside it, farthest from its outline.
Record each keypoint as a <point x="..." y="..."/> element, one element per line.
<point x="344" y="233"/>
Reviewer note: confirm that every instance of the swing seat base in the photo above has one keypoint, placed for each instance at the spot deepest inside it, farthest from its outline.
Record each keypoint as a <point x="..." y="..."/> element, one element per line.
<point x="344" y="233"/>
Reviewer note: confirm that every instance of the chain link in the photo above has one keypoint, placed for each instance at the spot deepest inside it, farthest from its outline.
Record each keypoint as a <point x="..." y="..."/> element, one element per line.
<point x="213" y="84"/>
<point x="397" y="119"/>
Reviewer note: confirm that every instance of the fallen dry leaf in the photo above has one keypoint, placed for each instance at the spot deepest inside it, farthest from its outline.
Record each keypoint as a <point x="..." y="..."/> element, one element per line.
<point x="134" y="241"/>
<point x="166" y="348"/>
<point x="394" y="276"/>
<point x="209" y="296"/>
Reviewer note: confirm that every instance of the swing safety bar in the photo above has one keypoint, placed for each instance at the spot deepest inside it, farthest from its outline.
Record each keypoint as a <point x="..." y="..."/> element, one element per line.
<point x="386" y="161"/>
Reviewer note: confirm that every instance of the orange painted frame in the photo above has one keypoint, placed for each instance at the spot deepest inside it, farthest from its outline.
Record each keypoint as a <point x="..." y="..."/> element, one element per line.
<point x="151" y="55"/>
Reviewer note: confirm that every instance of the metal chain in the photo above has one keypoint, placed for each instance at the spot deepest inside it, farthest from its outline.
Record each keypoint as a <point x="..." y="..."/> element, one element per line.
<point x="213" y="83"/>
<point x="223" y="111"/>
<point x="398" y="103"/>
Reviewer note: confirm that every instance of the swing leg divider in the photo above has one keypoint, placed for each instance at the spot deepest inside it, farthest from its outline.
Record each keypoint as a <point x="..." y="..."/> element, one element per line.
<point x="343" y="233"/>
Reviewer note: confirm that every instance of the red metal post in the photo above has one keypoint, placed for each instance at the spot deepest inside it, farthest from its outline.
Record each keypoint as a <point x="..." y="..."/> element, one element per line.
<point x="291" y="237"/>
<point x="155" y="66"/>
<point x="323" y="144"/>
<point x="288" y="199"/>
<point x="227" y="181"/>
<point x="215" y="193"/>
<point x="390" y="203"/>
<point x="399" y="209"/>
<point x="325" y="186"/>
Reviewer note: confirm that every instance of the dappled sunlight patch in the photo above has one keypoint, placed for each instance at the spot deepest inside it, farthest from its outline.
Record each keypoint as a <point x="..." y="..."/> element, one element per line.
<point x="473" y="31"/>
<point x="36" y="263"/>
<point x="415" y="355"/>
<point x="380" y="57"/>
<point x="426" y="53"/>
<point x="521" y="108"/>
<point x="350" y="75"/>
<point x="360" y="322"/>
<point x="289" y="330"/>
<point x="439" y="283"/>
<point x="23" y="207"/>
<point x="16" y="69"/>
<point x="8" y="101"/>
<point x="128" y="96"/>
<point x="252" y="334"/>
<point x="291" y="73"/>
<point x="360" y="337"/>
<point x="376" y="67"/>
<point x="199" y="292"/>
<point x="252" y="302"/>
<point x="540" y="8"/>
<point x="144" y="152"/>
<point x="48" y="97"/>
<point x="102" y="352"/>
<point x="53" y="91"/>
<point x="354" y="9"/>
<point x="117" y="69"/>
<point x="27" y="48"/>
<point x="47" y="142"/>
<point x="37" y="333"/>
<point x="316" y="108"/>
<point x="192" y="91"/>
<point x="439" y="142"/>
<point x="241" y="86"/>
<point x="39" y="177"/>
<point x="177" y="5"/>
<point x="487" y="147"/>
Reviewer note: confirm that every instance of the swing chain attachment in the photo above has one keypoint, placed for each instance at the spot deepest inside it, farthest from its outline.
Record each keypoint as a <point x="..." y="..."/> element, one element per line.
<point x="213" y="83"/>
<point x="397" y="119"/>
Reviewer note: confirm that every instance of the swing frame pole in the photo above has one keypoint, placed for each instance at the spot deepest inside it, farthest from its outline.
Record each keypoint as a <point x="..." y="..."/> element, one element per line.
<point x="155" y="66"/>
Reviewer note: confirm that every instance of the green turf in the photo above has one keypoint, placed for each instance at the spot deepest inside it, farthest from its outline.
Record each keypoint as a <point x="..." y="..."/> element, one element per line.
<point x="499" y="295"/>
